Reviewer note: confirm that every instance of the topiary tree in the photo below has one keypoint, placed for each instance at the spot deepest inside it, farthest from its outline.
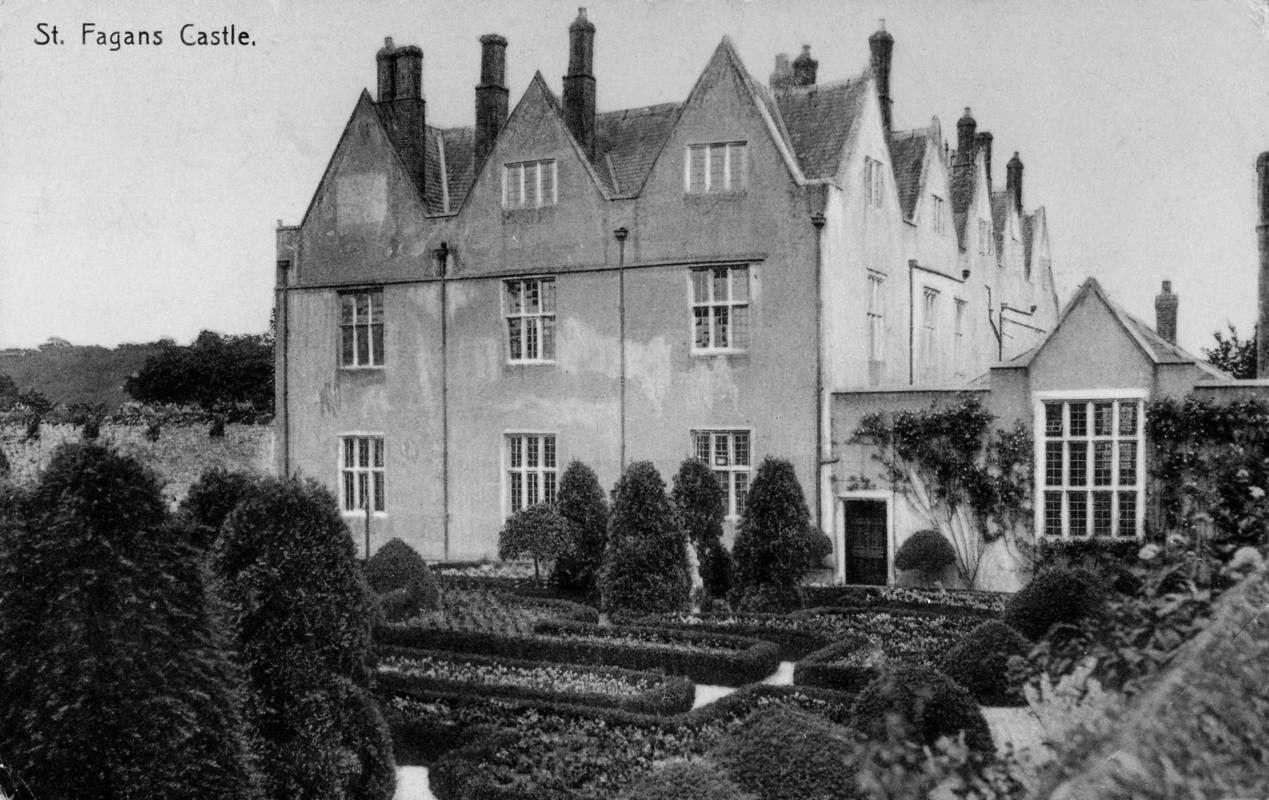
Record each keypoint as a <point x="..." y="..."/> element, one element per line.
<point x="702" y="507"/>
<point x="32" y="433"/>
<point x="980" y="662"/>
<point x="397" y="569"/>
<point x="775" y="544"/>
<point x="676" y="780"/>
<point x="1060" y="596"/>
<point x="210" y="499"/>
<point x="217" y="429"/>
<point x="581" y="503"/>
<point x="92" y="428"/>
<point x="537" y="531"/>
<point x="153" y="429"/>
<point x="928" y="552"/>
<point x="4" y="464"/>
<point x="113" y="679"/>
<point x="919" y="703"/>
<point x="300" y="614"/>
<point x="781" y="753"/>
<point x="645" y="562"/>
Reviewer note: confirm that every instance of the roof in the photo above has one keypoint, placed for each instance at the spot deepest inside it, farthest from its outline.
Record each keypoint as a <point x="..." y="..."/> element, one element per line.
<point x="907" y="154"/>
<point x="627" y="143"/>
<point x="1028" y="239"/>
<point x="961" y="187"/>
<point x="818" y="120"/>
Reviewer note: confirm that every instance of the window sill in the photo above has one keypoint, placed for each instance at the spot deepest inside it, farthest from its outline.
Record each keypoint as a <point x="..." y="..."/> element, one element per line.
<point x="361" y="515"/>
<point x="530" y="363"/>
<point x="717" y="353"/>
<point x="709" y="197"/>
<point x="537" y="214"/>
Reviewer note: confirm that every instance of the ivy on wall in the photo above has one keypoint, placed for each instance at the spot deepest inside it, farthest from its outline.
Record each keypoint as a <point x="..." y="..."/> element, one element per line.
<point x="973" y="482"/>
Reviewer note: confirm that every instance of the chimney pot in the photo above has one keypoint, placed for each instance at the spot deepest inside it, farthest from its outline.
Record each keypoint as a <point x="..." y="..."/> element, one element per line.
<point x="983" y="142"/>
<point x="881" y="47"/>
<point x="782" y="75"/>
<point x="805" y="68"/>
<point x="579" y="83"/>
<point x="385" y="60"/>
<point x="1165" y="305"/>
<point x="409" y="73"/>
<point x="965" y="135"/>
<point x="1013" y="181"/>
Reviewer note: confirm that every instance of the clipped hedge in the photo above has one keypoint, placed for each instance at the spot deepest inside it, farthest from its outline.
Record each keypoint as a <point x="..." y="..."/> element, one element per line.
<point x="676" y="780"/>
<point x="699" y="656"/>
<point x="787" y="754"/>
<point x="905" y="597"/>
<point x="929" y="704"/>
<point x="668" y="694"/>
<point x="825" y="668"/>
<point x="980" y="663"/>
<point x="1062" y="596"/>
<point x="785" y="632"/>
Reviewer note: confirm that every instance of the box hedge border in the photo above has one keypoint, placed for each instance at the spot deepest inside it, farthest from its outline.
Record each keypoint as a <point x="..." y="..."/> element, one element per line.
<point x="794" y="644"/>
<point x="904" y="597"/>
<point x="819" y="670"/>
<point x="672" y="694"/>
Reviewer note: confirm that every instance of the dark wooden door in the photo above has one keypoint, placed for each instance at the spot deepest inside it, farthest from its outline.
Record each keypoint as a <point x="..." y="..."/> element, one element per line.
<point x="866" y="560"/>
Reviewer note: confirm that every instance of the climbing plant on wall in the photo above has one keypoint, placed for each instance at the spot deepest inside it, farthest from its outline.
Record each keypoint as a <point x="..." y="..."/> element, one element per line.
<point x="973" y="482"/>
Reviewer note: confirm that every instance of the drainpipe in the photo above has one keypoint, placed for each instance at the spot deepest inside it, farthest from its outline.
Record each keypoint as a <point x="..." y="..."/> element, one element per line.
<point x="912" y="263"/>
<point x="281" y="341"/>
<point x="818" y="219"/>
<point x="442" y="261"/>
<point x="621" y="234"/>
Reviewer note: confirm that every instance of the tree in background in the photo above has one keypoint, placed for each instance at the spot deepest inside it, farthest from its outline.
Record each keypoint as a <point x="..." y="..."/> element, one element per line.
<point x="1234" y="355"/>
<point x="702" y="508"/>
<point x="215" y="372"/>
<point x="537" y="531"/>
<point x="645" y="563"/>
<point x="775" y="544"/>
<point x="113" y="679"/>
<point x="581" y="503"/>
<point x="300" y="617"/>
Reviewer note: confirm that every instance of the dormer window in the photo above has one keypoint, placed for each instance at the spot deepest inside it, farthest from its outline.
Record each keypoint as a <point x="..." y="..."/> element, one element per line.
<point x="715" y="167"/>
<point x="936" y="204"/>
<point x="529" y="184"/>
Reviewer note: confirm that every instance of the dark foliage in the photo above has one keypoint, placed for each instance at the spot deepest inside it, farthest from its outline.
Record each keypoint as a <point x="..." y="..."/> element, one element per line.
<point x="827" y="669"/>
<point x="113" y="680"/>
<point x="1234" y="355"/>
<point x="234" y="373"/>
<point x="927" y="551"/>
<point x="300" y="613"/>
<point x="581" y="503"/>
<point x="407" y="584"/>
<point x="1057" y="597"/>
<point x="4" y="464"/>
<point x="217" y="429"/>
<point x="921" y="704"/>
<point x="775" y="545"/>
<point x="980" y="663"/>
<point x="795" y="642"/>
<point x="32" y="428"/>
<point x="92" y="428"/>
<point x="702" y="507"/>
<point x="786" y="754"/>
<point x="209" y="501"/>
<point x="153" y="430"/>
<point x="1111" y="560"/>
<point x="678" y="780"/>
<point x="537" y="531"/>
<point x="645" y="561"/>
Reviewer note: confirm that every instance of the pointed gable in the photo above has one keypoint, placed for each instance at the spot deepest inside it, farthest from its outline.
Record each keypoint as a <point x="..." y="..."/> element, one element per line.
<point x="908" y="156"/>
<point x="819" y="119"/>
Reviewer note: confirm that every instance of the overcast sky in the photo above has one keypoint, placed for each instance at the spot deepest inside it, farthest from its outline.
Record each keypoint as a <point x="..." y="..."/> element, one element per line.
<point x="139" y="188"/>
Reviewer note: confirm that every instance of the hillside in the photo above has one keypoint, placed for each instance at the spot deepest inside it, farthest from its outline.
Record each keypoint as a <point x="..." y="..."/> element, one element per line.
<point x="66" y="373"/>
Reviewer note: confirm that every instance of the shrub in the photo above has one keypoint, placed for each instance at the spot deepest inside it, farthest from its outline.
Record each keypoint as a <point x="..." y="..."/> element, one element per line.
<point x="537" y="531"/>
<point x="980" y="663"/>
<point x="916" y="702"/>
<point x="4" y="463"/>
<point x="32" y="433"/>
<point x="645" y="561"/>
<point x="110" y="660"/>
<point x="581" y="503"/>
<point x="1059" y="596"/>
<point x="405" y="582"/>
<point x="785" y="754"/>
<point x="702" y="506"/>
<point x="217" y="429"/>
<point x="300" y="616"/>
<point x="927" y="551"/>
<point x="775" y="545"/>
<point x="678" y="780"/>
<point x="92" y="428"/>
<point x="153" y="430"/>
<point x="210" y="499"/>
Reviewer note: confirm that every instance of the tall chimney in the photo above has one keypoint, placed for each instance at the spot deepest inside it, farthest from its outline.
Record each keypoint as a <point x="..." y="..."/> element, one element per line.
<point x="983" y="142"/>
<point x="804" y="68"/>
<point x="579" y="83"/>
<point x="965" y="127"/>
<point x="491" y="94"/>
<point x="782" y="76"/>
<point x="1165" y="313"/>
<point x="1013" y="181"/>
<point x="386" y="61"/>
<point x="1262" y="233"/>
<point x="408" y="82"/>
<point x="882" y="45"/>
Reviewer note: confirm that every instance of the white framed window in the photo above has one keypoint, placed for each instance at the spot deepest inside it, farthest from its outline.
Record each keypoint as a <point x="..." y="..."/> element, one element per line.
<point x="532" y="474"/>
<point x="530" y="314"/>
<point x="1090" y="465"/>
<point x="720" y="309"/>
<point x="727" y="453"/>
<point x="876" y="318"/>
<point x="361" y="474"/>
<point x="715" y="167"/>
<point x="529" y="184"/>
<point x="937" y="207"/>
<point x="874" y="182"/>
<point x="929" y="326"/>
<point x="958" y="337"/>
<point x="361" y="328"/>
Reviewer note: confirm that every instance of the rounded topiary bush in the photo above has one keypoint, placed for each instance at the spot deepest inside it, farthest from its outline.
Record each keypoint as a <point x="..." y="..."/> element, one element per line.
<point x="928" y="552"/>
<point x="980" y="662"/>
<point x="581" y="503"/>
<point x="645" y="563"/>
<point x="917" y="702"/>
<point x="210" y="500"/>
<point x="537" y="531"/>
<point x="398" y="569"/>
<point x="702" y="507"/>
<point x="685" y="780"/>
<point x="785" y="754"/>
<point x="1063" y="596"/>
<point x="776" y="544"/>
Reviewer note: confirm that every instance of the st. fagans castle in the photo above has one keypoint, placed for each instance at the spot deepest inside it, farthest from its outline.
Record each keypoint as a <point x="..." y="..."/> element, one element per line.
<point x="463" y="311"/>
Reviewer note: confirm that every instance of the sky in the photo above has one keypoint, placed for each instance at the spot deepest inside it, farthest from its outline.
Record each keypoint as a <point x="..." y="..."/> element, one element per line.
<point x="140" y="186"/>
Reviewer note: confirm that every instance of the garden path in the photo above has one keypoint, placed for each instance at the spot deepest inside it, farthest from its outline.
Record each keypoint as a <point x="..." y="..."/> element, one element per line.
<point x="412" y="784"/>
<point x="706" y="694"/>
<point x="1016" y="726"/>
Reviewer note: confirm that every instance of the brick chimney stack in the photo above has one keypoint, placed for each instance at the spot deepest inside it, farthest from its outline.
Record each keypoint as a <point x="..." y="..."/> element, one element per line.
<point x="401" y="91"/>
<point x="782" y="75"/>
<point x="408" y="83"/>
<point x="1013" y="181"/>
<point x="804" y="68"/>
<point x="491" y="94"/>
<point x="1262" y="235"/>
<point x="579" y="83"/>
<point x="386" y="62"/>
<point x="983" y="141"/>
<point x="881" y="44"/>
<point x="965" y="128"/>
<point x="1165" y="313"/>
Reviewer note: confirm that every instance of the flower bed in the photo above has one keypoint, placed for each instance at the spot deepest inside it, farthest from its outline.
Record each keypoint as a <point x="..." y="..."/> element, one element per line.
<point x="902" y="597"/>
<point x="643" y="692"/>
<point x="482" y="608"/>
<point x="705" y="658"/>
<point x="790" y="634"/>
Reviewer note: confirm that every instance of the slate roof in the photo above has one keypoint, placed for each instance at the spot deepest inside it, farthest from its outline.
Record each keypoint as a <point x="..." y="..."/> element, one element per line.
<point x="907" y="154"/>
<point x="961" y="187"/>
<point x="818" y="120"/>
<point x="627" y="142"/>
<point x="1028" y="239"/>
<point x="999" y="219"/>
